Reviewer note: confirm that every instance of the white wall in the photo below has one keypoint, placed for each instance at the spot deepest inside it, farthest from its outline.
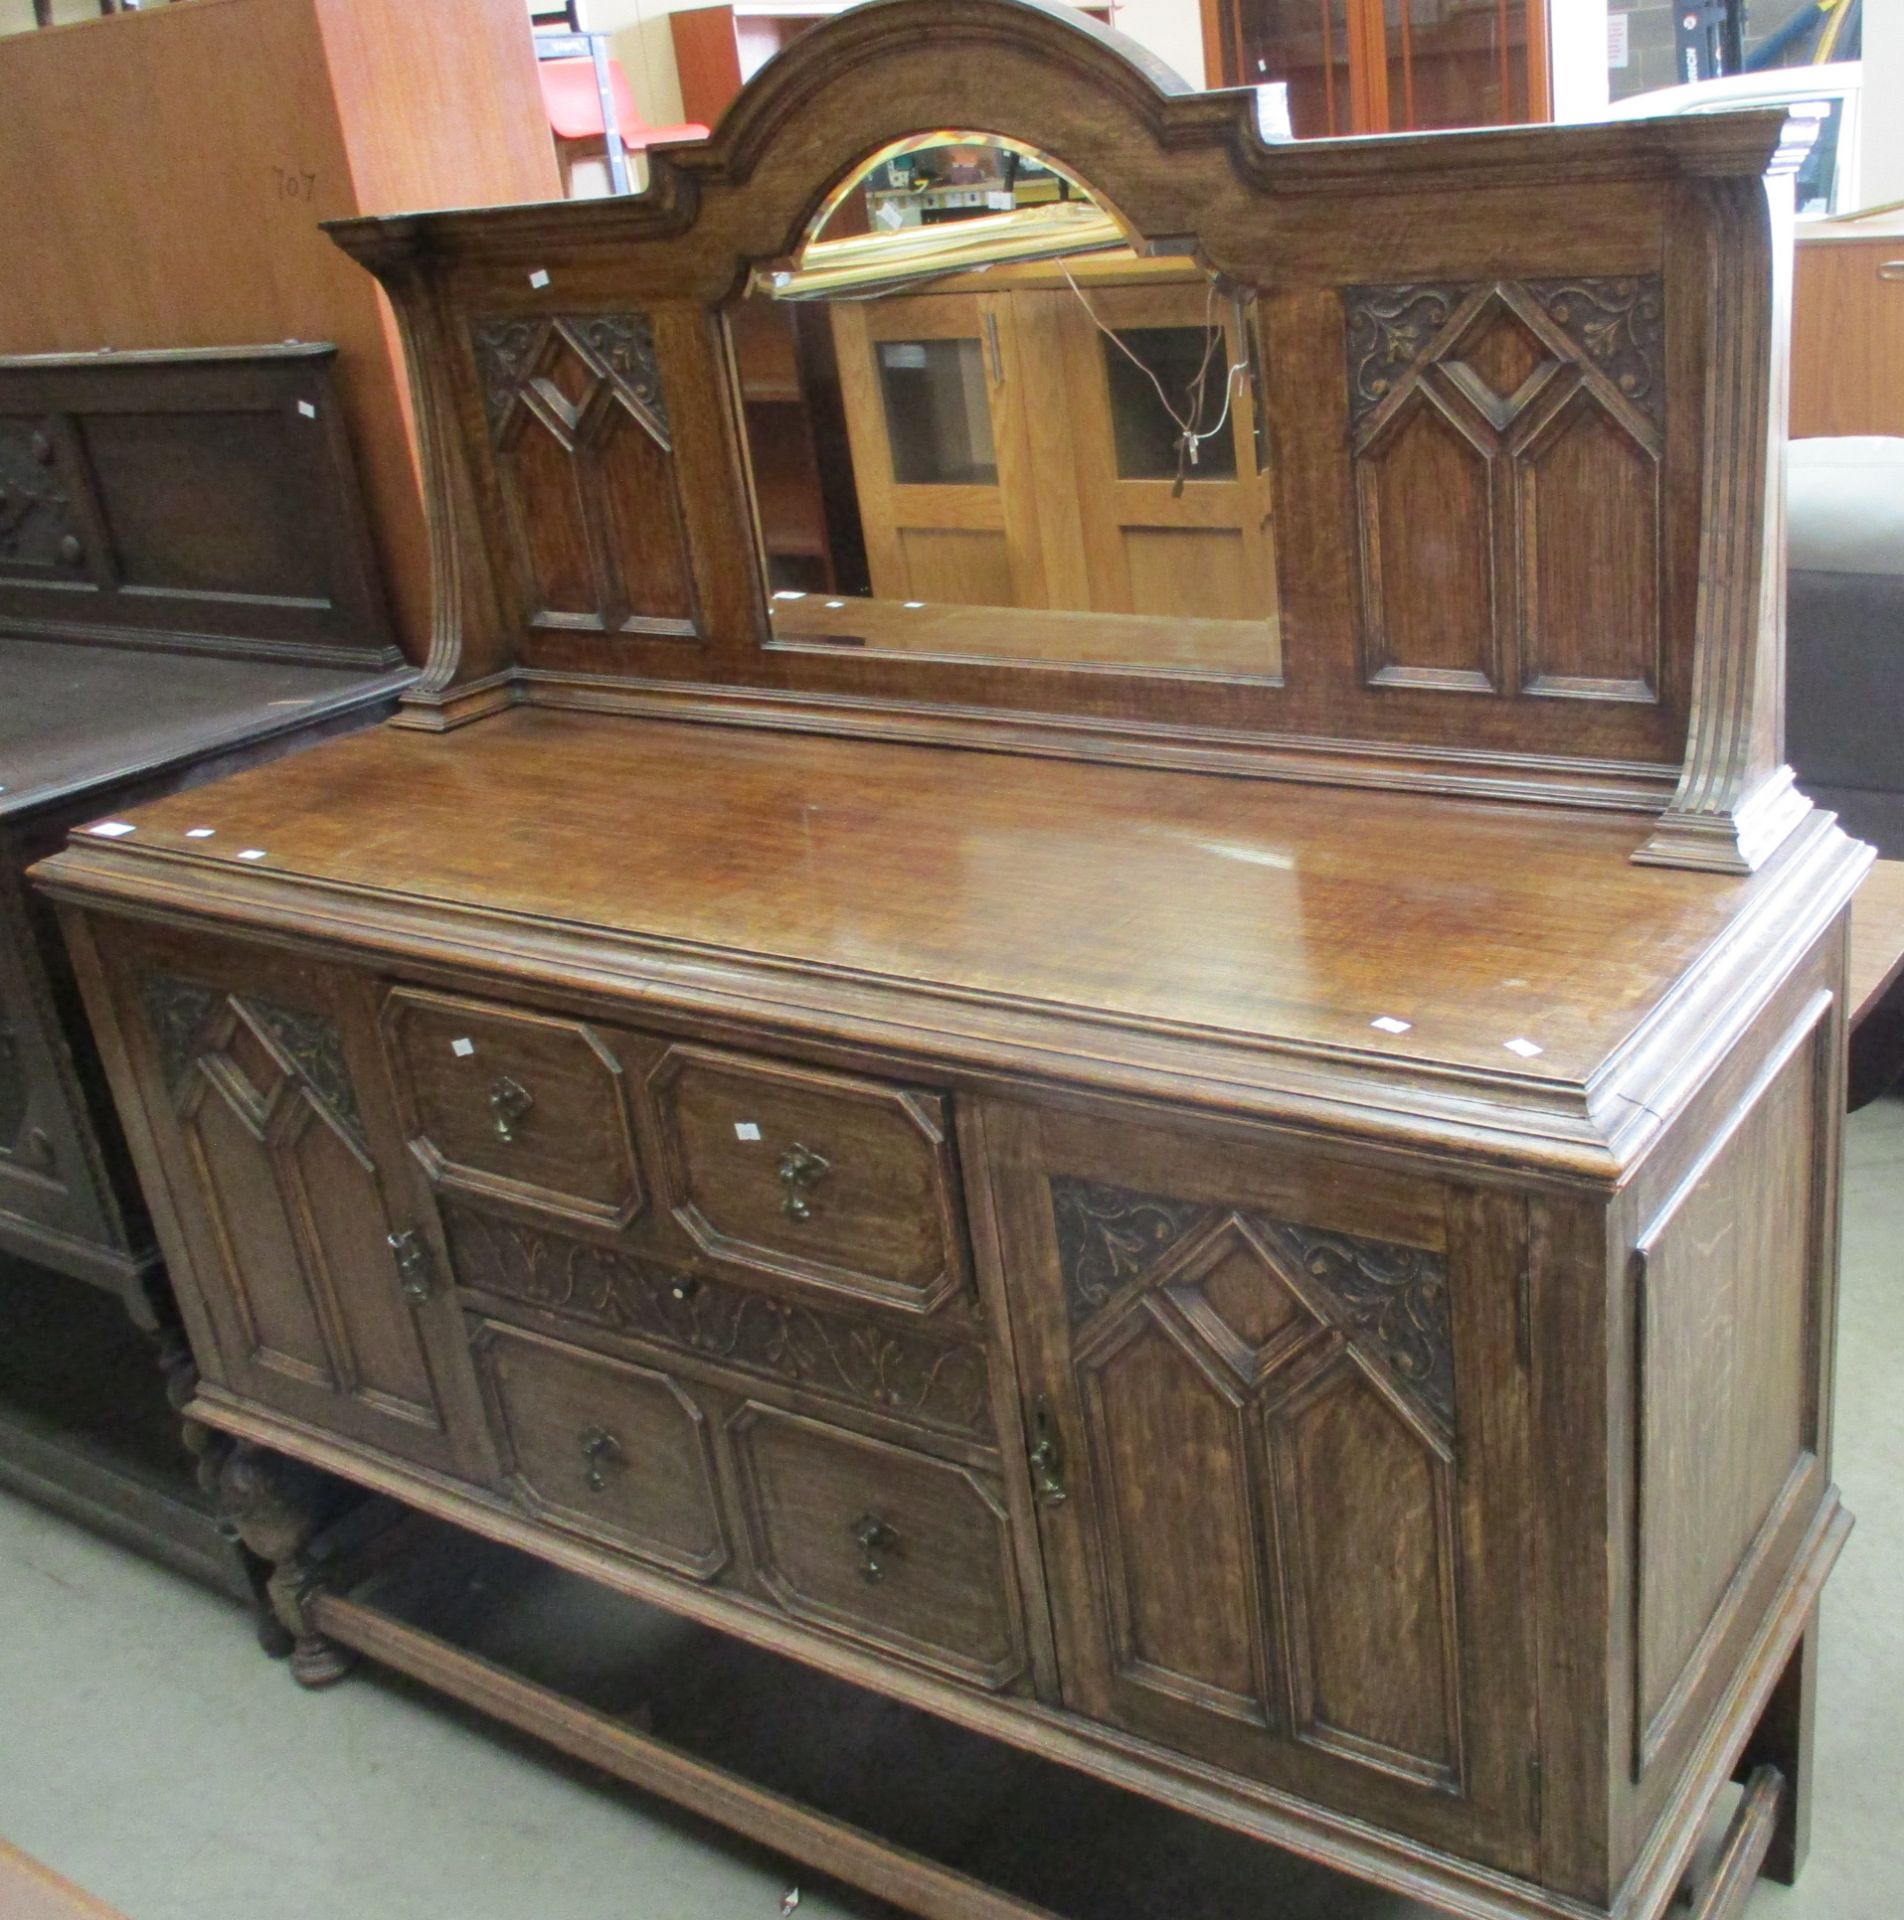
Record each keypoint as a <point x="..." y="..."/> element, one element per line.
<point x="1882" y="160"/>
<point x="1577" y="49"/>
<point x="1171" y="29"/>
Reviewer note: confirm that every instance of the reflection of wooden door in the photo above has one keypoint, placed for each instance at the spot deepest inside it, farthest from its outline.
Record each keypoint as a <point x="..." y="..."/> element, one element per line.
<point x="935" y="412"/>
<point x="1200" y="551"/>
<point x="1285" y="1416"/>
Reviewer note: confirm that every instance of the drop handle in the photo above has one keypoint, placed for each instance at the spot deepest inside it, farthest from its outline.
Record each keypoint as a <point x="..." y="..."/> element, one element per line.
<point x="413" y="1265"/>
<point x="799" y="1172"/>
<point x="873" y="1536"/>
<point x="600" y="1449"/>
<point x="1046" y="1458"/>
<point x="509" y="1101"/>
<point x="1891" y="270"/>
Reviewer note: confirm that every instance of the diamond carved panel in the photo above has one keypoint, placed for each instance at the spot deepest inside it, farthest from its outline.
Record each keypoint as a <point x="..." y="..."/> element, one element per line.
<point x="1456" y="593"/>
<point x="585" y="463"/>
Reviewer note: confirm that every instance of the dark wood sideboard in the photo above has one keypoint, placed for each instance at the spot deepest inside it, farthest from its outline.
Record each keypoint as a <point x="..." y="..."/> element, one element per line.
<point x="185" y="589"/>
<point x="1245" y="1207"/>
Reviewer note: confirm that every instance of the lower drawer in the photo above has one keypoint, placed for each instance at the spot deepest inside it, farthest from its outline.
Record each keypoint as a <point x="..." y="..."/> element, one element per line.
<point x="877" y="1543"/>
<point x="617" y="1451"/>
<point x="881" y="1544"/>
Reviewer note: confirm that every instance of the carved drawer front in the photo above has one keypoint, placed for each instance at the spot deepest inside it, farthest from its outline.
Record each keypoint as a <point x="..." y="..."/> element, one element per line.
<point x="825" y="1177"/>
<point x="514" y="1106"/>
<point x="930" y="1374"/>
<point x="881" y="1544"/>
<point x="613" y="1450"/>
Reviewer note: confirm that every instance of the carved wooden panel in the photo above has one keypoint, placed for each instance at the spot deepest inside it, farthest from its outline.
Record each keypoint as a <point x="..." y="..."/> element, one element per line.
<point x="1270" y="1415"/>
<point x="898" y="1370"/>
<point x="1507" y="442"/>
<point x="282" y="1167"/>
<point x="579" y="429"/>
<point x="40" y="531"/>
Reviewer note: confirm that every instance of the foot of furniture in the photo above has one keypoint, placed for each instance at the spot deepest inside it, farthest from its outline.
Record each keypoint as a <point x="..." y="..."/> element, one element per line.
<point x="274" y="1506"/>
<point x="1723" y="1894"/>
<point x="1783" y="1739"/>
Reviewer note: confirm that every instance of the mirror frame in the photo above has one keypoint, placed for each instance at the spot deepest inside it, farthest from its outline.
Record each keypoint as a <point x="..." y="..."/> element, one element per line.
<point x="1430" y="245"/>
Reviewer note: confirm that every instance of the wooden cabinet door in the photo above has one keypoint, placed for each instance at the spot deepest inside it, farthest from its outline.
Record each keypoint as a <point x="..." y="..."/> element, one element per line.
<point x="935" y="414"/>
<point x="282" y="1171"/>
<point x="1280" y="1452"/>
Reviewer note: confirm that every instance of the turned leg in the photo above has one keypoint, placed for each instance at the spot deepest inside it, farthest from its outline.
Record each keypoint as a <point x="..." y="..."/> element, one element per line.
<point x="208" y="1449"/>
<point x="275" y="1506"/>
<point x="1783" y="1739"/>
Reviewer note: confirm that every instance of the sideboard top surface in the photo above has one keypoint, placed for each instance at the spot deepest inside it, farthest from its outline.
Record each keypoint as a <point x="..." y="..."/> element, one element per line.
<point x="1245" y="916"/>
<point x="77" y="716"/>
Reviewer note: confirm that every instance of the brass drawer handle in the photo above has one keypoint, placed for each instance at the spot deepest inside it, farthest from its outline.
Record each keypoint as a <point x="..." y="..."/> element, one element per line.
<point x="1046" y="1458"/>
<point x="413" y="1265"/>
<point x="800" y="1171"/>
<point x="600" y="1448"/>
<point x="509" y="1100"/>
<point x="873" y="1536"/>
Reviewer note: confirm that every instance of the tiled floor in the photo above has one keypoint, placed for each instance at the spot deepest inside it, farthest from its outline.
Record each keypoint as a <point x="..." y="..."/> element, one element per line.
<point x="149" y="1753"/>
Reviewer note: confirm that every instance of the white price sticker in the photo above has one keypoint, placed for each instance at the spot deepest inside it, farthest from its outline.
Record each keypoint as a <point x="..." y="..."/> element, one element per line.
<point x="746" y="1130"/>
<point x="462" y="1048"/>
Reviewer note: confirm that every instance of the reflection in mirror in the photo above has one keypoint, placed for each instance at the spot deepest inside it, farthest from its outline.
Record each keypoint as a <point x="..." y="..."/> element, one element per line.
<point x="981" y="426"/>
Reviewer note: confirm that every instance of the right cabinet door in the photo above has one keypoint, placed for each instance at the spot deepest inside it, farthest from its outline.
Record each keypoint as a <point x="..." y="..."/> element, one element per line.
<point x="1279" y="1428"/>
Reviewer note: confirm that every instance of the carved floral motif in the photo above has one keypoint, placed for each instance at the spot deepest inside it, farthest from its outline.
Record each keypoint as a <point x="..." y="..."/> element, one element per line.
<point x="178" y="1012"/>
<point x="1615" y="325"/>
<point x="1391" y="1299"/>
<point x="1395" y="1297"/>
<point x="182" y="1012"/>
<point x="37" y="527"/>
<point x="1108" y="1236"/>
<point x="1390" y="329"/>
<point x="1620" y="325"/>
<point x="909" y="1373"/>
<point x="619" y="347"/>
<point x="312" y="1043"/>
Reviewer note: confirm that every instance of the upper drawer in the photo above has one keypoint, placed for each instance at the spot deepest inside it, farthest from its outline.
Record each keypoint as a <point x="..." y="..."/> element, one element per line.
<point x="514" y="1106"/>
<point x="826" y="1177"/>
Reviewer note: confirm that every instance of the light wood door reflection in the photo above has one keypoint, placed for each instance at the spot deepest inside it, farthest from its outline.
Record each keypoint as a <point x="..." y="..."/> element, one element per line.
<point x="935" y="411"/>
<point x="1009" y="454"/>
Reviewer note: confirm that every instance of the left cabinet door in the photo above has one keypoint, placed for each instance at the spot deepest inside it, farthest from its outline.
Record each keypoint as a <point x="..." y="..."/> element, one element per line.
<point x="277" y="1175"/>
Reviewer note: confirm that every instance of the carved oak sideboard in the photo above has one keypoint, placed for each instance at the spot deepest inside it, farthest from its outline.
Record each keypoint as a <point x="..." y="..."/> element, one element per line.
<point x="1244" y="1204"/>
<point x="186" y="587"/>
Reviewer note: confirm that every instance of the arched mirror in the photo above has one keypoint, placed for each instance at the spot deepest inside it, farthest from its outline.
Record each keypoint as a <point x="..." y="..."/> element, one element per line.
<point x="983" y="425"/>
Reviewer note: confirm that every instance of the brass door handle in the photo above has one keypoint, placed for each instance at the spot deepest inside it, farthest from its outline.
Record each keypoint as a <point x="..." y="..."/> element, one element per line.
<point x="799" y="1172"/>
<point x="509" y="1100"/>
<point x="413" y="1265"/>
<point x="600" y="1448"/>
<point x="873" y="1537"/>
<point x="1046" y="1458"/>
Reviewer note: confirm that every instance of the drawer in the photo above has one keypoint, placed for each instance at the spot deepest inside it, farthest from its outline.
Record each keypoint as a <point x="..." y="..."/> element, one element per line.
<point x="881" y="1544"/>
<point x="521" y="1107"/>
<point x="827" y="1177"/>
<point x="617" y="1451"/>
<point x="931" y="1374"/>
